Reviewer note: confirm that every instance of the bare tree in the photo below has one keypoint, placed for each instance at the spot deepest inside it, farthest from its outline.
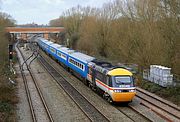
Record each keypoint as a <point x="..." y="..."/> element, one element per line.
<point x="134" y="31"/>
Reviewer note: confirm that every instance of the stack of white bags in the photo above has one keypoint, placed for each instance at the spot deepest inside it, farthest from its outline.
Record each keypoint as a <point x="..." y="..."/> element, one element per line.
<point x="161" y="75"/>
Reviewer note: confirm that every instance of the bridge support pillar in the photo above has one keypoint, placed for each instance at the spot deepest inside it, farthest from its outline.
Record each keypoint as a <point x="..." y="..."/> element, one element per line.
<point x="24" y="36"/>
<point x="46" y="36"/>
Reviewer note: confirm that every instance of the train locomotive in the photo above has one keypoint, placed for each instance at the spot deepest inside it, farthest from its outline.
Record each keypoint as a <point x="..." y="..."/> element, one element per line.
<point x="116" y="84"/>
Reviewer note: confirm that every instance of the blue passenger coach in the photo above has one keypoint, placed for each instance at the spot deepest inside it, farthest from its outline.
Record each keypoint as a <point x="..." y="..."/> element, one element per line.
<point x="47" y="46"/>
<point x="79" y="63"/>
<point x="41" y="42"/>
<point x="62" y="55"/>
<point x="53" y="49"/>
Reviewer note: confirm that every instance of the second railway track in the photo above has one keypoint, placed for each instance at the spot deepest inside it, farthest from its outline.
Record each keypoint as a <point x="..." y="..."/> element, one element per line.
<point x="163" y="108"/>
<point x="32" y="104"/>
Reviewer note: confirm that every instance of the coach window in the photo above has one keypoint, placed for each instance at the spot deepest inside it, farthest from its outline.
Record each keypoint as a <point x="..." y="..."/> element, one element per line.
<point x="59" y="54"/>
<point x="71" y="61"/>
<point x="81" y="66"/>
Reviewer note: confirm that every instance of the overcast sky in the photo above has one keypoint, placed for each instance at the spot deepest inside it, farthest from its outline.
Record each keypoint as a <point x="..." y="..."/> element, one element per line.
<point x="42" y="11"/>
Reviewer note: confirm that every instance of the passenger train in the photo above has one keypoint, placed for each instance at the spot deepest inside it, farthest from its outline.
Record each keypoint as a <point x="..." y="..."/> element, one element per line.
<point x="116" y="84"/>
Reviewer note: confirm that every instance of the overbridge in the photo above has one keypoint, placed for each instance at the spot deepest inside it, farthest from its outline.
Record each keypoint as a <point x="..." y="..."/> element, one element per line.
<point x="23" y="32"/>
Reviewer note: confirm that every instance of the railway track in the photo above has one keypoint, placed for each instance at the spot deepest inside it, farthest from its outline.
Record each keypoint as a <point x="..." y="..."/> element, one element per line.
<point x="24" y="74"/>
<point x="133" y="114"/>
<point x="81" y="101"/>
<point x="166" y="110"/>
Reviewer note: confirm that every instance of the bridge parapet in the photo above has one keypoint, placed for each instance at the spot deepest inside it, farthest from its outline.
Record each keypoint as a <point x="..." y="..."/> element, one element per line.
<point x="23" y="31"/>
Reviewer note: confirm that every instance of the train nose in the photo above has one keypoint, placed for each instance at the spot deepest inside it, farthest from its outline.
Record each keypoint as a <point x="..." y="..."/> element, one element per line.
<point x="123" y="97"/>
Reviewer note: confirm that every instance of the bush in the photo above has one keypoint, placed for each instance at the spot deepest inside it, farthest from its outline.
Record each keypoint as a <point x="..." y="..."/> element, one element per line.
<point x="5" y="107"/>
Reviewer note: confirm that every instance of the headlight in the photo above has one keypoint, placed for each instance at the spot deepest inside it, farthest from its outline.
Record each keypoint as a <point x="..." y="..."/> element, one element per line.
<point x="133" y="90"/>
<point x="117" y="90"/>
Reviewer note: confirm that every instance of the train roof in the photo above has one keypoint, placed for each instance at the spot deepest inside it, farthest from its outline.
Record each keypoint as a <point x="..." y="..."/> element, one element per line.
<point x="56" y="45"/>
<point x="103" y="64"/>
<point x="66" y="50"/>
<point x="82" y="57"/>
<point x="106" y="67"/>
<point x="48" y="42"/>
<point x="42" y="39"/>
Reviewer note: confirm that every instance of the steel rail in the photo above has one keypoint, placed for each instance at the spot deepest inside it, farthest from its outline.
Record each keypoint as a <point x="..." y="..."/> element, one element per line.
<point x="26" y="87"/>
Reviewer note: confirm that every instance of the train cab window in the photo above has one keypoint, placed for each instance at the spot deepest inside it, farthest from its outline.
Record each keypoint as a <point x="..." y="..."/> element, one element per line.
<point x="122" y="81"/>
